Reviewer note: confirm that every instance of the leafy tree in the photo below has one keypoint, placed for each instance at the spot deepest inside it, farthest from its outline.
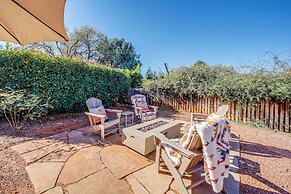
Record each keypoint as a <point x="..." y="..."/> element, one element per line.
<point x="87" y="39"/>
<point x="151" y="75"/>
<point x="91" y="45"/>
<point x="117" y="53"/>
<point x="82" y="43"/>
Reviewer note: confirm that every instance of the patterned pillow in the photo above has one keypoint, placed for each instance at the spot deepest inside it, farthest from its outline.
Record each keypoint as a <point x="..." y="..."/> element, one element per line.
<point x="190" y="141"/>
<point x="143" y="105"/>
<point x="100" y="111"/>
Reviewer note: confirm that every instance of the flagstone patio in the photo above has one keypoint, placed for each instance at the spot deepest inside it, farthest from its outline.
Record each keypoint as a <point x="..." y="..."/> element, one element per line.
<point x="75" y="162"/>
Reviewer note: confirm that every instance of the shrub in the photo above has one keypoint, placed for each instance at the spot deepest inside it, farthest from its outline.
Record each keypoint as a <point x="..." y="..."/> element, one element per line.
<point x="203" y="80"/>
<point x="18" y="107"/>
<point x="69" y="83"/>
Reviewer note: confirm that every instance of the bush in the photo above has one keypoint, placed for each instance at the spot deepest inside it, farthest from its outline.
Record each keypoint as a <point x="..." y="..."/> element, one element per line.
<point x="69" y="83"/>
<point x="203" y="80"/>
<point x="18" y="107"/>
<point x="135" y="77"/>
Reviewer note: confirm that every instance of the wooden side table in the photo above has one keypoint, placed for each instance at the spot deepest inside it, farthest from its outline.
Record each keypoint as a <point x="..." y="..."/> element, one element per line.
<point x="126" y="113"/>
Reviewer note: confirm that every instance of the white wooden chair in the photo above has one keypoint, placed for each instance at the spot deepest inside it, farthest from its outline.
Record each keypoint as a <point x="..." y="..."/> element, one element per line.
<point x="142" y="109"/>
<point x="190" y="159"/>
<point x="98" y="118"/>
<point x="198" y="117"/>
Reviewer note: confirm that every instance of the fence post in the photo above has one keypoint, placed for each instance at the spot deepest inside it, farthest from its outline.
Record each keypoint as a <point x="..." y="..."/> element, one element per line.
<point x="287" y="117"/>
<point x="262" y="116"/>
<point x="272" y="114"/>
<point x="267" y="113"/>
<point x="257" y="111"/>
<point x="281" y="124"/>
<point x="276" y="118"/>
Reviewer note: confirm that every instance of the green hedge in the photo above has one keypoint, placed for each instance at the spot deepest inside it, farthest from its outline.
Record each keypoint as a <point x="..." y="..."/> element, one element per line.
<point x="203" y="80"/>
<point x="69" y="83"/>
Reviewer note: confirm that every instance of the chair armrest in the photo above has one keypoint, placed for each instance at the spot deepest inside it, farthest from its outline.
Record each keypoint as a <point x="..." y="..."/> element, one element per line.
<point x="118" y="112"/>
<point x="197" y="117"/>
<point x="178" y="148"/>
<point x="136" y="107"/>
<point x="94" y="115"/>
<point x="155" y="108"/>
<point x="198" y="114"/>
<point x="113" y="110"/>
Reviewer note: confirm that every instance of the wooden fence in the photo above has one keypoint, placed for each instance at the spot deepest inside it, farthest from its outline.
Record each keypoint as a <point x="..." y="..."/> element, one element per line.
<point x="270" y="114"/>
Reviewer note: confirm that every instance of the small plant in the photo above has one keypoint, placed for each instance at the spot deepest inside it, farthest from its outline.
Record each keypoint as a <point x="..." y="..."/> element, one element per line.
<point x="257" y="124"/>
<point x="18" y="107"/>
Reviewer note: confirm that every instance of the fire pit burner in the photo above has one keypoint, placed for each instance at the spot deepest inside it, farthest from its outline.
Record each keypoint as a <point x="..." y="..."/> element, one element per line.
<point x="152" y="126"/>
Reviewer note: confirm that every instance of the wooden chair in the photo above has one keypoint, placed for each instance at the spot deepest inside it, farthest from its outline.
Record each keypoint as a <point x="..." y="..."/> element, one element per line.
<point x="142" y="109"/>
<point x="190" y="158"/>
<point x="198" y="117"/>
<point x="100" y="122"/>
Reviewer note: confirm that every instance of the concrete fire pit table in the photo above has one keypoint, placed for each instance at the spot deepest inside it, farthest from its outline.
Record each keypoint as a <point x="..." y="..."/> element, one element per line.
<point x="140" y="137"/>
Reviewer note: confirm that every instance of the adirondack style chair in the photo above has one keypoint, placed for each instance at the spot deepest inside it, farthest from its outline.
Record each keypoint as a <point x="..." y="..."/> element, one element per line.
<point x="198" y="117"/>
<point x="142" y="109"/>
<point x="190" y="157"/>
<point x="99" y="120"/>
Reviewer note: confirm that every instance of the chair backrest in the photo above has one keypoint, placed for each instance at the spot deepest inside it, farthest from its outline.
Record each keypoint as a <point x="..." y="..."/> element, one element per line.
<point x="93" y="103"/>
<point x="139" y="100"/>
<point x="222" y="110"/>
<point x="195" y="144"/>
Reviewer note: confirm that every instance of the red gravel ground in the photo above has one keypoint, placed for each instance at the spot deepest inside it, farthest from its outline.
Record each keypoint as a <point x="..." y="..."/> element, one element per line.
<point x="265" y="165"/>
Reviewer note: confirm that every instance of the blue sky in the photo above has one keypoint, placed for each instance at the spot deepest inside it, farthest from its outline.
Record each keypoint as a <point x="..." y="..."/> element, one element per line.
<point x="182" y="32"/>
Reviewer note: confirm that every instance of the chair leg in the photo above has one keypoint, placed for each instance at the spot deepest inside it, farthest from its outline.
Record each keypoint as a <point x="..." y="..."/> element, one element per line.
<point x="119" y="128"/>
<point x="158" y="156"/>
<point x="177" y="176"/>
<point x="102" y="133"/>
<point x="125" y="121"/>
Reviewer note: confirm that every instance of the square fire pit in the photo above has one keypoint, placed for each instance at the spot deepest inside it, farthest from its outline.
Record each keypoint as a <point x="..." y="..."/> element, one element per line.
<point x="140" y="137"/>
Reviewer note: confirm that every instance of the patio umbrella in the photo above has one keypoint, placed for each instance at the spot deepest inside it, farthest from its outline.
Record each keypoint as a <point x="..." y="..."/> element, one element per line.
<point x="28" y="21"/>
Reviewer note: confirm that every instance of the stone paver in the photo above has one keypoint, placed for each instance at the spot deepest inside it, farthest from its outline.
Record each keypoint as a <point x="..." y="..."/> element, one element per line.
<point x="122" y="161"/>
<point x="101" y="182"/>
<point x="78" y="137"/>
<point x="60" y="155"/>
<point x="136" y="186"/>
<point x="55" y="190"/>
<point x="171" y="192"/>
<point x="203" y="188"/>
<point x="152" y="180"/>
<point x="30" y="146"/>
<point x="60" y="136"/>
<point x="43" y="175"/>
<point x="72" y="162"/>
<point x="35" y="155"/>
<point x="81" y="164"/>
